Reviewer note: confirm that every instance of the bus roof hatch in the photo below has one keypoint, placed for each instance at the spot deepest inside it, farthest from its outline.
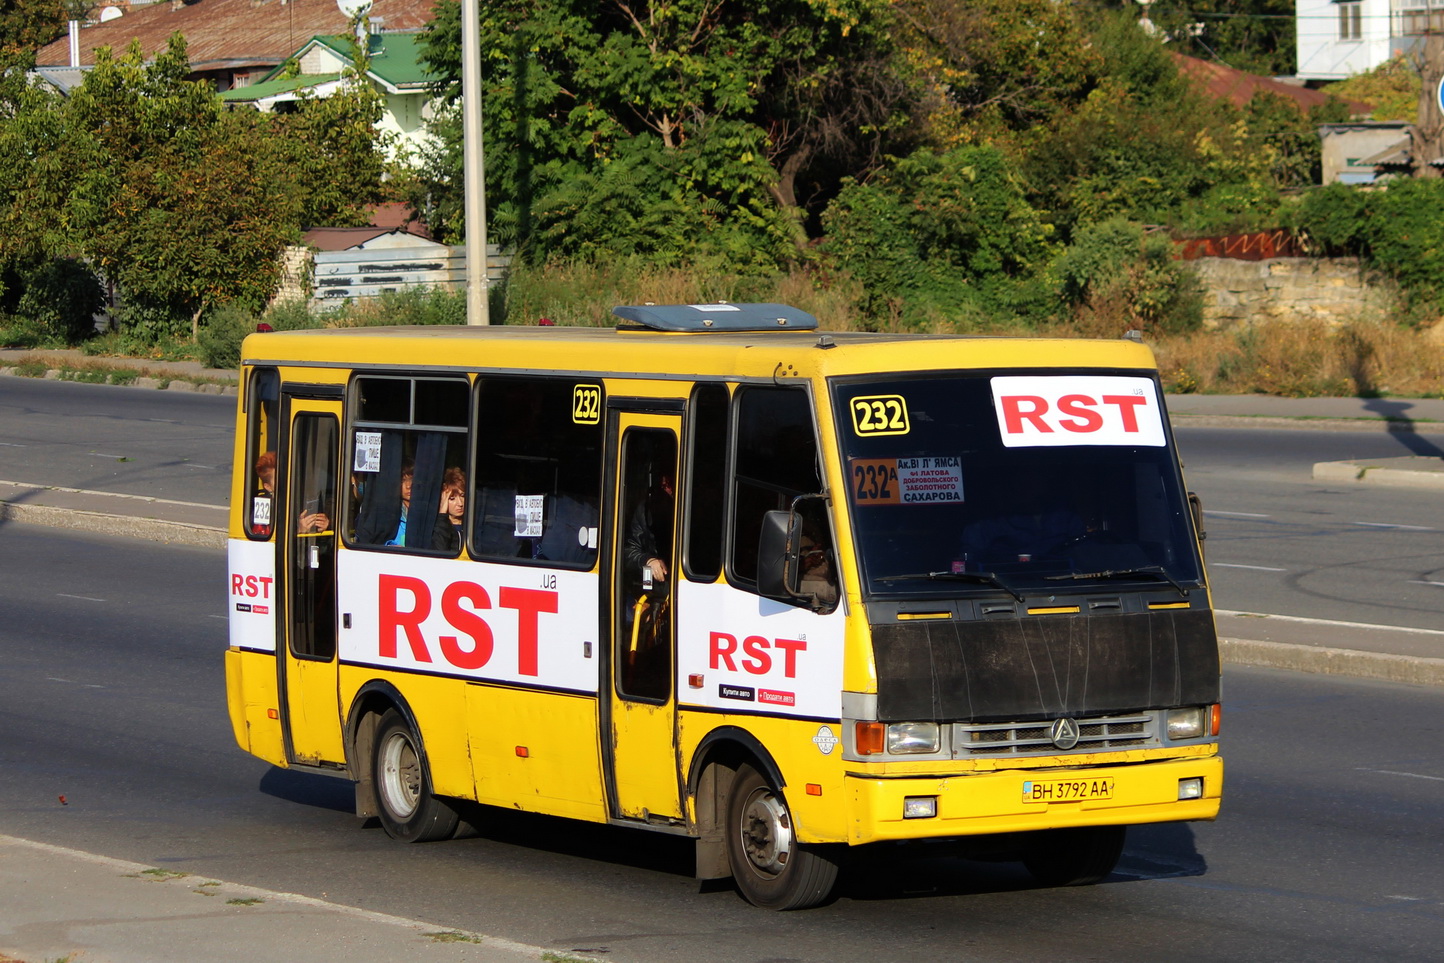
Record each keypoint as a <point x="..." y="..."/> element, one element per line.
<point x="713" y="317"/>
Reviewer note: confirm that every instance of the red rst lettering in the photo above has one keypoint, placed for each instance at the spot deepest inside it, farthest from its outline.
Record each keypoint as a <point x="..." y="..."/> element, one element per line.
<point x="1080" y="406"/>
<point x="1126" y="405"/>
<point x="528" y="603"/>
<point x="722" y="647"/>
<point x="789" y="661"/>
<point x="467" y="621"/>
<point x="1014" y="415"/>
<point x="388" y="587"/>
<point x="756" y="647"/>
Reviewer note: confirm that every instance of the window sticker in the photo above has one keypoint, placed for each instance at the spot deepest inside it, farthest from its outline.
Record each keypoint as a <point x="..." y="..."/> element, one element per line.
<point x="368" y="451"/>
<point x="530" y="510"/>
<point x="1037" y="411"/>
<point x="880" y="415"/>
<point x="920" y="480"/>
<point x="587" y="404"/>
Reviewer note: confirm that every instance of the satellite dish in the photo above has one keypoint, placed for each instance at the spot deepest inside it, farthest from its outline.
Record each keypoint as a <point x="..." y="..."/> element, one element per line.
<point x="108" y="14"/>
<point x="354" y="8"/>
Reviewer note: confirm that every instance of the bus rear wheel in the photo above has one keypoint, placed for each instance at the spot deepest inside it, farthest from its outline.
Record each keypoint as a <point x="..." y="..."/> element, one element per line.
<point x="1075" y="857"/>
<point x="770" y="867"/>
<point x="407" y="809"/>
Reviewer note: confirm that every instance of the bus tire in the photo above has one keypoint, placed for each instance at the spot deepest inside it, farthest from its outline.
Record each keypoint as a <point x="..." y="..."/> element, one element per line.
<point x="772" y="870"/>
<point x="405" y="806"/>
<point x="1075" y="857"/>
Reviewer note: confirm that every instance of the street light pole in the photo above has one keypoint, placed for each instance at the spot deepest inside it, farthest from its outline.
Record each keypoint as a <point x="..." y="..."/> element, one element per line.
<point x="473" y="165"/>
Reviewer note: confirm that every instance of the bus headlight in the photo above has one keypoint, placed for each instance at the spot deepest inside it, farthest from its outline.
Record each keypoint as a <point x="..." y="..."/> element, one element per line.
<point x="907" y="737"/>
<point x="1185" y="723"/>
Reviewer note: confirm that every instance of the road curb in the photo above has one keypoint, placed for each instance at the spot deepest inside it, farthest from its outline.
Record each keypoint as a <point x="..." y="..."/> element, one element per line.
<point x="1322" y="660"/>
<point x="151" y="529"/>
<point x="1354" y="472"/>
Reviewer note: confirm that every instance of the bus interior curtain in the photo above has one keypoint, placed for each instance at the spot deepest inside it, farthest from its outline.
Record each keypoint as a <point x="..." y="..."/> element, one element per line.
<point x="381" y="494"/>
<point x="426" y="490"/>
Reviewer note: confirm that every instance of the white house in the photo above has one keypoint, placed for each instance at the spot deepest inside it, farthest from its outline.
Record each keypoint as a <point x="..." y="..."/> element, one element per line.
<point x="1340" y="38"/>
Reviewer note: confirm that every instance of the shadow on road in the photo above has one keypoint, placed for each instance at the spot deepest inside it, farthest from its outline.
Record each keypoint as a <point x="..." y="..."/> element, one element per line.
<point x="309" y="789"/>
<point x="1402" y="426"/>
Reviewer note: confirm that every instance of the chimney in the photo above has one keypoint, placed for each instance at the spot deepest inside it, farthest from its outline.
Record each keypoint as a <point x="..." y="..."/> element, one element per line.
<point x="75" y="43"/>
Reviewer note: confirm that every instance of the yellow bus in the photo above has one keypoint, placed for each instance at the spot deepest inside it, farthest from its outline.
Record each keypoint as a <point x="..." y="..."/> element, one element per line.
<point x="713" y="572"/>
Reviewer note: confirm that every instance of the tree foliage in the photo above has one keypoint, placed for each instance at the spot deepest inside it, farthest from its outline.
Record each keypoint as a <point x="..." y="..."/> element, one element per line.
<point x="718" y="109"/>
<point x="1392" y="87"/>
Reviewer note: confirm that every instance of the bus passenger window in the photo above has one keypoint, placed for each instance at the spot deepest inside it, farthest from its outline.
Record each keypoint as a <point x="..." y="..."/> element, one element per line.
<point x="536" y="483"/>
<point x="706" y="483"/>
<point x="409" y="438"/>
<point x="776" y="460"/>
<point x="262" y="431"/>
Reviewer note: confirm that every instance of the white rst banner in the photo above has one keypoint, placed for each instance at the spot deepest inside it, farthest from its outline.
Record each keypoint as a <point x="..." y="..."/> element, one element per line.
<point x="751" y="654"/>
<point x="1039" y="411"/>
<point x="504" y="623"/>
<point x="253" y="599"/>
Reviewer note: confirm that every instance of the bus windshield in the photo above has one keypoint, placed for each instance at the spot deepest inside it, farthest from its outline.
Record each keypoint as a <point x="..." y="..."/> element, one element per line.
<point x="963" y="483"/>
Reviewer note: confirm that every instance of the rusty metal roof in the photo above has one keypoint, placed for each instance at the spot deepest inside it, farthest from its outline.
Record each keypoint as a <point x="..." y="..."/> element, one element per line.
<point x="1238" y="87"/>
<point x="228" y="33"/>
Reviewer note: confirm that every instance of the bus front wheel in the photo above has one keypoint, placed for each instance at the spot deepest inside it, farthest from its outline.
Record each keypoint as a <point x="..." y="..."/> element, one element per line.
<point x="770" y="867"/>
<point x="408" y="811"/>
<point x="1075" y="857"/>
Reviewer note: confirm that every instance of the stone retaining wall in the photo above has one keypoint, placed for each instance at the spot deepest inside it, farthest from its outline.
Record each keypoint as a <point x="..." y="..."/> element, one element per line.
<point x="1333" y="290"/>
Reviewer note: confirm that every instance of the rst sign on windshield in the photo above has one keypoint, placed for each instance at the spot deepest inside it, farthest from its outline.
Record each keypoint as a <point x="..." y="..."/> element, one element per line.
<point x="1037" y="411"/>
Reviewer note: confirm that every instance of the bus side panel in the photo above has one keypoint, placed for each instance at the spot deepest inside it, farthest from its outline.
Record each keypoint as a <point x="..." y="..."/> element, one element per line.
<point x="536" y="751"/>
<point x="808" y="754"/>
<point x="251" y="699"/>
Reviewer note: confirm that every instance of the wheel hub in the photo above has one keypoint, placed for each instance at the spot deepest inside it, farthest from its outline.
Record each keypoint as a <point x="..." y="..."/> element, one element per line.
<point x="766" y="833"/>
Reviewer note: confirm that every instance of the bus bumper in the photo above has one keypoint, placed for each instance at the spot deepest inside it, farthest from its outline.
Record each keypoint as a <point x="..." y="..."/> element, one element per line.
<point x="1019" y="800"/>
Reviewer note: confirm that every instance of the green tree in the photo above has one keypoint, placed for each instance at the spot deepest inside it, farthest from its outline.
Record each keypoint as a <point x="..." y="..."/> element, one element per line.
<point x="28" y="25"/>
<point x="183" y="204"/>
<point x="718" y="108"/>
<point x="1256" y="36"/>
<point x="940" y="237"/>
<point x="1392" y="87"/>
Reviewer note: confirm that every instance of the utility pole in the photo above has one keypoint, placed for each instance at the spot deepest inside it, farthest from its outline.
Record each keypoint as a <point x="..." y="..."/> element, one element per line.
<point x="478" y="310"/>
<point x="1426" y="141"/>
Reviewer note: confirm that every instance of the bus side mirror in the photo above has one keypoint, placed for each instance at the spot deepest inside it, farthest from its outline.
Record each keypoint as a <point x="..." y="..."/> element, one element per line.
<point x="777" y="554"/>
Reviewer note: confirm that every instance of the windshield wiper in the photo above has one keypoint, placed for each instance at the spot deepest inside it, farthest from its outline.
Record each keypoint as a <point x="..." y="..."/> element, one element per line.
<point x="1157" y="571"/>
<point x="986" y="578"/>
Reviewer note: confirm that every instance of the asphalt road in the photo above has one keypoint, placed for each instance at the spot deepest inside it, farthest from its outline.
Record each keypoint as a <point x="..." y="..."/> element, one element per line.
<point x="1328" y="847"/>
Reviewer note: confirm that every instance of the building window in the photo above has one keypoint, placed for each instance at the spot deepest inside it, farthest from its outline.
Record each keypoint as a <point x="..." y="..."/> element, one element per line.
<point x="1350" y="21"/>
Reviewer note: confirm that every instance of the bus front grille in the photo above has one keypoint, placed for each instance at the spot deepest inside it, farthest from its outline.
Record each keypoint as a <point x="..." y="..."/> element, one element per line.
<point x="1096" y="734"/>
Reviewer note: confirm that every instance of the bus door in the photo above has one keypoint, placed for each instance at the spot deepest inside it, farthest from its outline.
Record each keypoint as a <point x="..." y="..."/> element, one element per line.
<point x="643" y="573"/>
<point x="307" y="526"/>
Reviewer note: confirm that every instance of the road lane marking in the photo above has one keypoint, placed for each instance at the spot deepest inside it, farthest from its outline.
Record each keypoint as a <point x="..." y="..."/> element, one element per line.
<point x="1307" y="621"/>
<point x="83" y="598"/>
<point x="1420" y="581"/>
<point x="11" y="444"/>
<point x="87" y="491"/>
<point x="1393" y="772"/>
<point x="1210" y="511"/>
<point x="1405" y="528"/>
<point x="104" y="454"/>
<point x="83" y="685"/>
<point x="1256" y="568"/>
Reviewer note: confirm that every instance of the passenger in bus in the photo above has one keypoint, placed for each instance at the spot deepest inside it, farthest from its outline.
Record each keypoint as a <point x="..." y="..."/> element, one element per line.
<point x="643" y="548"/>
<point x="443" y="537"/>
<point x="453" y="499"/>
<point x="307" y="522"/>
<point x="816" y="565"/>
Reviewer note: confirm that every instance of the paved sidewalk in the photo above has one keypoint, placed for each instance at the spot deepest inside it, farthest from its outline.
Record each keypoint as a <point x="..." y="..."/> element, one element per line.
<point x="62" y="904"/>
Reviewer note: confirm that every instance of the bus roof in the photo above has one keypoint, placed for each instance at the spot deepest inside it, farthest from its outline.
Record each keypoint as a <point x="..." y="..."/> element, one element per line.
<point x="629" y="350"/>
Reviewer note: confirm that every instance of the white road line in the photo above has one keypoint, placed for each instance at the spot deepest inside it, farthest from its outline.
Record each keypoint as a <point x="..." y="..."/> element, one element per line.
<point x="1210" y="511"/>
<point x="1347" y="625"/>
<point x="103" y="454"/>
<point x="1411" y="775"/>
<point x="1406" y="528"/>
<point x="1256" y="568"/>
<point x="83" y="685"/>
<point x="86" y="491"/>
<point x="11" y="444"/>
<point x="83" y="598"/>
<point x="1420" y="581"/>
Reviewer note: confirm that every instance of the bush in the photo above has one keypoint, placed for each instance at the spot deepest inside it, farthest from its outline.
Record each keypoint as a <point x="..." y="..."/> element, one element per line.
<point x="1116" y="278"/>
<point x="55" y="301"/>
<point x="219" y="341"/>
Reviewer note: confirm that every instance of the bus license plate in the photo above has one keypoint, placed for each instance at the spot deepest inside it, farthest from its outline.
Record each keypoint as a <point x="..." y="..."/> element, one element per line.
<point x="1066" y="790"/>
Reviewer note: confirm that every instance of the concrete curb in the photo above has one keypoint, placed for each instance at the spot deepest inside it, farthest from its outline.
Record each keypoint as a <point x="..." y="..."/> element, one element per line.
<point x="1429" y="474"/>
<point x="152" y="529"/>
<point x="1181" y="419"/>
<point x="1325" y="661"/>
